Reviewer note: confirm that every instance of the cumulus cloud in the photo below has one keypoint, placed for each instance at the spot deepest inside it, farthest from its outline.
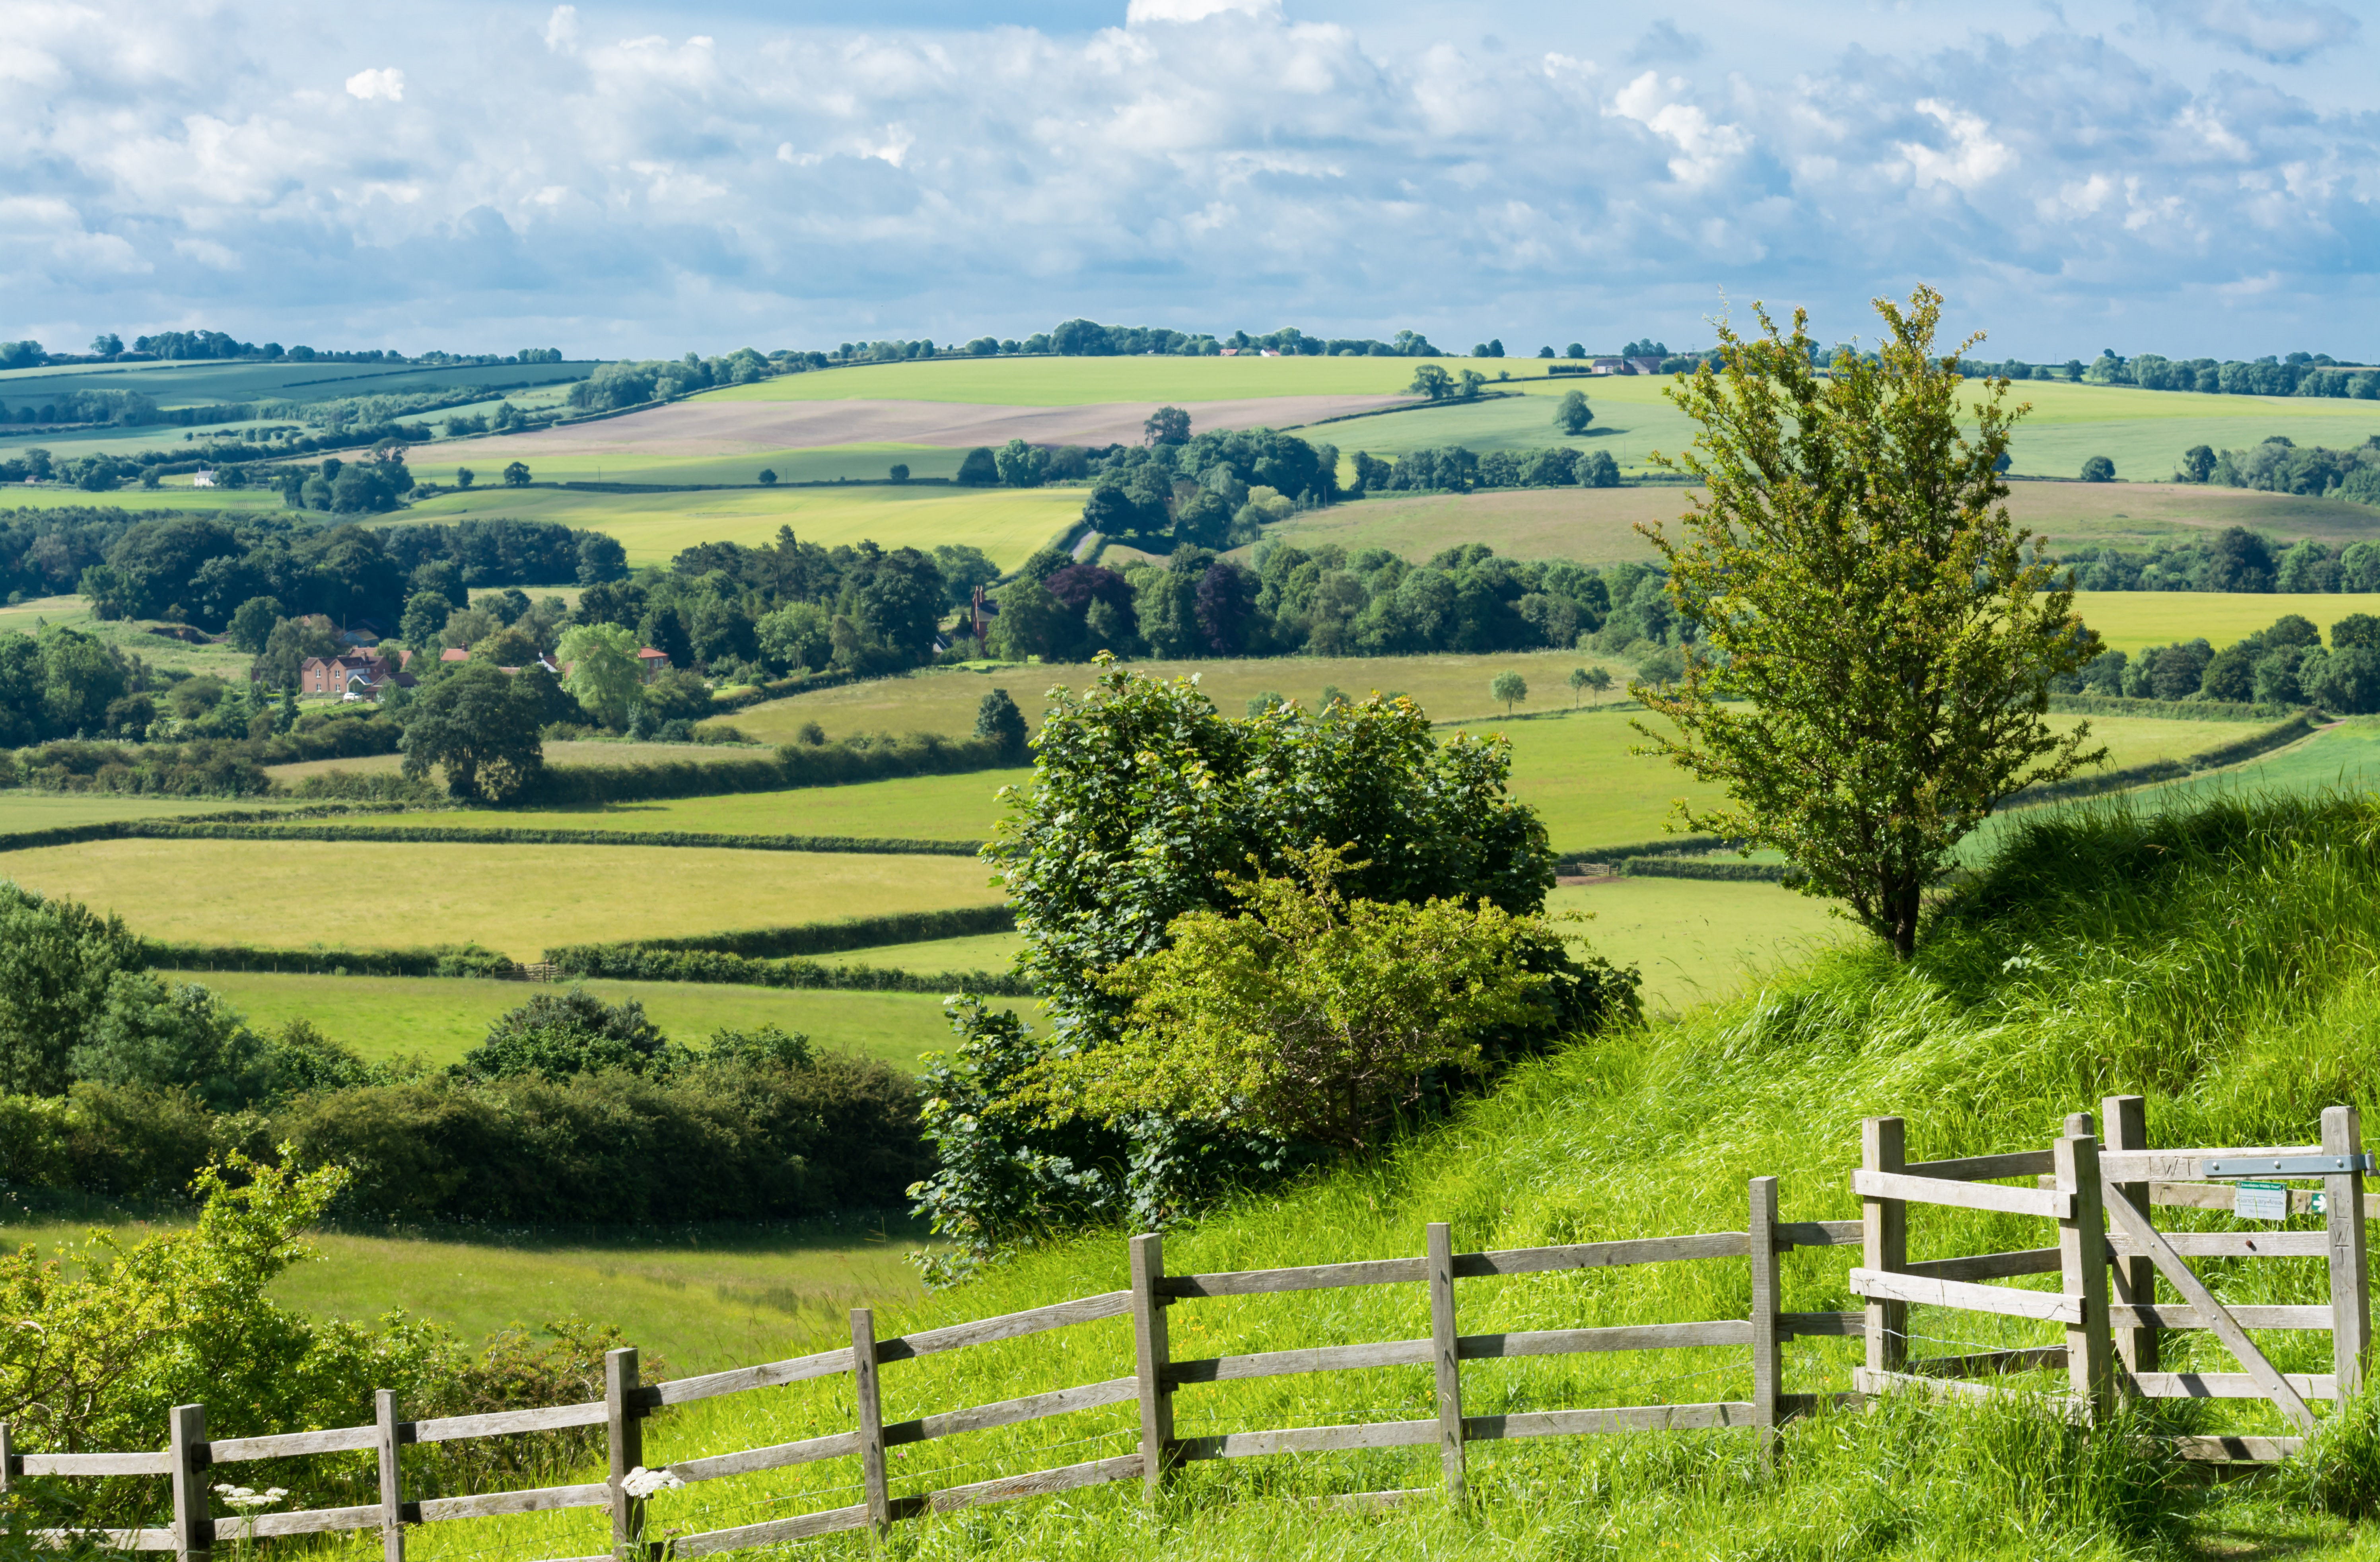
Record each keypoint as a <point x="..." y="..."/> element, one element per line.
<point x="2283" y="31"/>
<point x="387" y="85"/>
<point x="1204" y="165"/>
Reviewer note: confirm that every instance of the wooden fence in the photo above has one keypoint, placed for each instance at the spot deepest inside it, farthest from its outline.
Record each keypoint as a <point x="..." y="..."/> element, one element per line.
<point x="2111" y="1346"/>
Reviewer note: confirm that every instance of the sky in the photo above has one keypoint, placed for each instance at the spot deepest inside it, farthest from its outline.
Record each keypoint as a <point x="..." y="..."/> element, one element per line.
<point x="2192" y="177"/>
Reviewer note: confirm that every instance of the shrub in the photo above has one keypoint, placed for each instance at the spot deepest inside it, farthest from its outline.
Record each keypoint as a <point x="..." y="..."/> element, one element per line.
<point x="558" y="1034"/>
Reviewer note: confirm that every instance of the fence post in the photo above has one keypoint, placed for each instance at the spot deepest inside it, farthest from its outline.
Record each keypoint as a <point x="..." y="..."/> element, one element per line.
<point x="1885" y="1243"/>
<point x="392" y="1499"/>
<point x="626" y="1441"/>
<point x="2083" y="1260"/>
<point x="2125" y="1119"/>
<point x="8" y="1458"/>
<point x="2351" y="1282"/>
<point x="1445" y="1355"/>
<point x="1151" y="1355"/>
<point x="869" y="1394"/>
<point x="186" y="1436"/>
<point x="1767" y="1358"/>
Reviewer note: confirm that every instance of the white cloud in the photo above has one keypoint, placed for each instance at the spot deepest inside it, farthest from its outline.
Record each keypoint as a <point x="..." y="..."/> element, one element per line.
<point x="1975" y="157"/>
<point x="562" y="30"/>
<point x="1142" y="11"/>
<point x="1702" y="145"/>
<point x="2283" y="31"/>
<point x="386" y="85"/>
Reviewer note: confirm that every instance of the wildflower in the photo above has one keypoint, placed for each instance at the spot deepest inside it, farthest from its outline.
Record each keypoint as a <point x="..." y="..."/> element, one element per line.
<point x="642" y="1482"/>
<point x="245" y="1497"/>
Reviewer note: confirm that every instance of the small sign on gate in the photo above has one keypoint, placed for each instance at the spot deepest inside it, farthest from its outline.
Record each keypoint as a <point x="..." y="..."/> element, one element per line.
<point x="2262" y="1201"/>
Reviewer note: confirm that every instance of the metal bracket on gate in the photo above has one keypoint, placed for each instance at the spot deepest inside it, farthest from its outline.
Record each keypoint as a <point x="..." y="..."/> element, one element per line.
<point x="2286" y="1166"/>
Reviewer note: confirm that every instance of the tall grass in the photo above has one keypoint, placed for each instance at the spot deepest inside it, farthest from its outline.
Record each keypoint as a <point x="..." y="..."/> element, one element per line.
<point x="2220" y="962"/>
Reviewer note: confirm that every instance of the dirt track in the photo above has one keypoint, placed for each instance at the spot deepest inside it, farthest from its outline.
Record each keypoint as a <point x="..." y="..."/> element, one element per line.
<point x="736" y="427"/>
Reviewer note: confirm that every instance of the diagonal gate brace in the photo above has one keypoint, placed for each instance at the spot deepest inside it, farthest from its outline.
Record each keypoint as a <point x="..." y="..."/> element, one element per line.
<point x="2235" y="1338"/>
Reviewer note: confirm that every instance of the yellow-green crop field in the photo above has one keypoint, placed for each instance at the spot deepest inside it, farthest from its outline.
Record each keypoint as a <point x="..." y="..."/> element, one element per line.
<point x="440" y="1018"/>
<point x="1055" y="382"/>
<point x="521" y="900"/>
<point x="1695" y="941"/>
<point x="2129" y="620"/>
<point x="958" y="807"/>
<point x="866" y="462"/>
<point x="700" y="1300"/>
<point x="1007" y="524"/>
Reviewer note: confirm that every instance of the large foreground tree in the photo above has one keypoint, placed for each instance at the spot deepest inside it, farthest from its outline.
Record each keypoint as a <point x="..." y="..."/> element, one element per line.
<point x="1878" y="639"/>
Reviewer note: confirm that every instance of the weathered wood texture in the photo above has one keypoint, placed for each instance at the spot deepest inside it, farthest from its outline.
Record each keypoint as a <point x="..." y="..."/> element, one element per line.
<point x="2049" y="1204"/>
<point x="2351" y="1278"/>
<point x="869" y="1394"/>
<point x="392" y="1486"/>
<point x="2124" y="1124"/>
<point x="1446" y="1357"/>
<point x="2181" y="1316"/>
<point x="1879" y="1285"/>
<point x="1151" y="1359"/>
<point x="624" y="1444"/>
<point x="1011" y="1325"/>
<point x="2083" y="1253"/>
<point x="186" y="1444"/>
<point x="1884" y="1242"/>
<point x="2229" y="1385"/>
<point x="1989" y="1266"/>
<point x="1765" y="1324"/>
<point x="1010" y="1412"/>
<point x="777" y="1456"/>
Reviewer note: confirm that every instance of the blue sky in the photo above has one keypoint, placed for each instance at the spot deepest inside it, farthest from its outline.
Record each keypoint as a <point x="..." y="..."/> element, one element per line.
<point x="2184" y="176"/>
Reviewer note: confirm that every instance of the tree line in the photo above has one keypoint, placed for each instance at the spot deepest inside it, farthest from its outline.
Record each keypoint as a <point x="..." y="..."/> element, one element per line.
<point x="2278" y="465"/>
<point x="2234" y="559"/>
<point x="2284" y="664"/>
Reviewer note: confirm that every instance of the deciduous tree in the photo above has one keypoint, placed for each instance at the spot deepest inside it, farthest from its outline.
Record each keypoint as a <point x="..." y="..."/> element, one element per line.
<point x="481" y="728"/>
<point x="1883" y="639"/>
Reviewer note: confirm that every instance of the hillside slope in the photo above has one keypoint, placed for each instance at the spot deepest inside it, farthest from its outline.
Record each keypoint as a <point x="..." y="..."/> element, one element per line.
<point x="2221" y="962"/>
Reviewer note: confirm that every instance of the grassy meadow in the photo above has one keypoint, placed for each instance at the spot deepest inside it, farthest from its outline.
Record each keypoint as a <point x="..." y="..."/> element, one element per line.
<point x="1697" y="941"/>
<point x="2246" y="1006"/>
<point x="701" y="1299"/>
<point x="441" y="1017"/>
<point x="520" y="900"/>
<point x="958" y="807"/>
<point x="2128" y="621"/>
<point x="22" y="809"/>
<point x="1007" y="524"/>
<point x="816" y="464"/>
<point x="32" y="616"/>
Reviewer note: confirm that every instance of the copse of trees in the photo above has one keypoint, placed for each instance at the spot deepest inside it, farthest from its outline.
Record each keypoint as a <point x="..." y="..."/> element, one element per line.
<point x="2278" y="465"/>
<point x="2235" y="559"/>
<point x="2285" y="663"/>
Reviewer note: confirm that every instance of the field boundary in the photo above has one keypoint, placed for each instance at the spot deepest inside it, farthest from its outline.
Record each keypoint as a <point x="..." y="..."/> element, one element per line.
<point x="2106" y="1252"/>
<point x="619" y="964"/>
<point x="830" y="938"/>
<point x="498" y="835"/>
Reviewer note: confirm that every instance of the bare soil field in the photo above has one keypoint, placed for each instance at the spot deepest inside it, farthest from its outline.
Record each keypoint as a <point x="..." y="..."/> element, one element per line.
<point x="712" y="427"/>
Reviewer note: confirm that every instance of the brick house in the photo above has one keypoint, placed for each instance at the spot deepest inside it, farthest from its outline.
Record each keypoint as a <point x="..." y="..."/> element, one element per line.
<point x="653" y="663"/>
<point x="353" y="677"/>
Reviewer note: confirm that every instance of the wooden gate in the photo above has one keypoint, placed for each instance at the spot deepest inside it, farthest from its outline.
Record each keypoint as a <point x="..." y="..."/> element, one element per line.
<point x="2102" y="1191"/>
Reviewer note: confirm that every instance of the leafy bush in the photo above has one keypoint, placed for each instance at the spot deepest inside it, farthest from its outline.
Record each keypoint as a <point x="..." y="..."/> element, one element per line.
<point x="558" y="1034"/>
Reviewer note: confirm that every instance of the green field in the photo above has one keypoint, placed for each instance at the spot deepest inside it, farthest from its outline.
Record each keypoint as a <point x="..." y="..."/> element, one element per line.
<point x="595" y="750"/>
<point x="23" y="808"/>
<point x="1058" y="381"/>
<point x="442" y="1018"/>
<point x="2128" y="619"/>
<point x="701" y="1299"/>
<point x="521" y="900"/>
<point x="1008" y="523"/>
<point x="32" y="616"/>
<point x="955" y="808"/>
<point x="816" y="464"/>
<point x="1697" y="941"/>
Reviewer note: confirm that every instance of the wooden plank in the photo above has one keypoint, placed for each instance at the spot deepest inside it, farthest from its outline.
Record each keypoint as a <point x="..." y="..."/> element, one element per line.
<point x="392" y="1493"/>
<point x="1311" y="1440"/>
<point x="1884" y="1242"/>
<point x="774" y="1531"/>
<point x="2184" y="1166"/>
<point x="624" y="1441"/>
<point x="305" y="1521"/>
<point x="1072" y="1477"/>
<point x="8" y="1455"/>
<point x="1446" y="1357"/>
<point x="2227" y="1244"/>
<point x="1982" y="1169"/>
<point x="1151" y="1355"/>
<point x="1988" y="1266"/>
<point x="1285" y="1364"/>
<point x="1599" y="1256"/>
<point x="448" y="1429"/>
<point x="776" y="1456"/>
<point x="108" y="1540"/>
<point x="2351" y="1276"/>
<point x="1009" y="1412"/>
<point x="2228" y="1450"/>
<point x="1008" y="1326"/>
<point x="291" y="1444"/>
<point x="186" y="1442"/>
<point x="95" y="1464"/>
<point x="2124" y="1120"/>
<point x="1824" y="1325"/>
<point x="2229" y="1386"/>
<point x="2180" y="1315"/>
<point x="1990" y="1364"/>
<point x="540" y="1499"/>
<point x="2048" y="1305"/>
<point x="1867" y="1380"/>
<point x="1622" y="1337"/>
<point x="1319" y="1276"/>
<point x="869" y="1394"/>
<point x="1629" y="1418"/>
<point x="2048" y="1204"/>
<point x="2082" y="1254"/>
<point x="1820" y="1233"/>
<point x="2136" y="1226"/>
<point x="771" y="1375"/>
<point x="1765" y="1327"/>
<point x="2217" y="1195"/>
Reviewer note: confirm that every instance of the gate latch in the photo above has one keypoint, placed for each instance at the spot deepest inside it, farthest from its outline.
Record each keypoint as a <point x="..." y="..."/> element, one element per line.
<point x="2286" y="1166"/>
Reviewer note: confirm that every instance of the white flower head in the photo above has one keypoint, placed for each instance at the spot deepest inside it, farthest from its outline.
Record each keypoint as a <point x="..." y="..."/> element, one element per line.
<point x="245" y="1497"/>
<point x="642" y="1482"/>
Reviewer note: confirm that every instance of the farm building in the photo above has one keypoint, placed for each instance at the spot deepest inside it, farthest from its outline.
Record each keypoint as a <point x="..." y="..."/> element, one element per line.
<point x="352" y="676"/>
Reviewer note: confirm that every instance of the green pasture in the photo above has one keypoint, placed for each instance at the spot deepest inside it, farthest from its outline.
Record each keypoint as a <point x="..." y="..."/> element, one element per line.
<point x="127" y="442"/>
<point x="521" y="900"/>
<point x="2129" y="620"/>
<point x="441" y="1017"/>
<point x="701" y="1299"/>
<point x="983" y="952"/>
<point x="1008" y="523"/>
<point x="958" y="807"/>
<point x="158" y="651"/>
<point x="1598" y="526"/>
<point x="171" y="499"/>
<point x="1697" y="941"/>
<point x="565" y="754"/>
<point x="818" y="464"/>
<point x="22" y="809"/>
<point x="943" y="700"/>
<point x="204" y="382"/>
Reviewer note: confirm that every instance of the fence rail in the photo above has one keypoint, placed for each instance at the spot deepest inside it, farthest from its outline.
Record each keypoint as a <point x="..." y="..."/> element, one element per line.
<point x="2100" y="1200"/>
